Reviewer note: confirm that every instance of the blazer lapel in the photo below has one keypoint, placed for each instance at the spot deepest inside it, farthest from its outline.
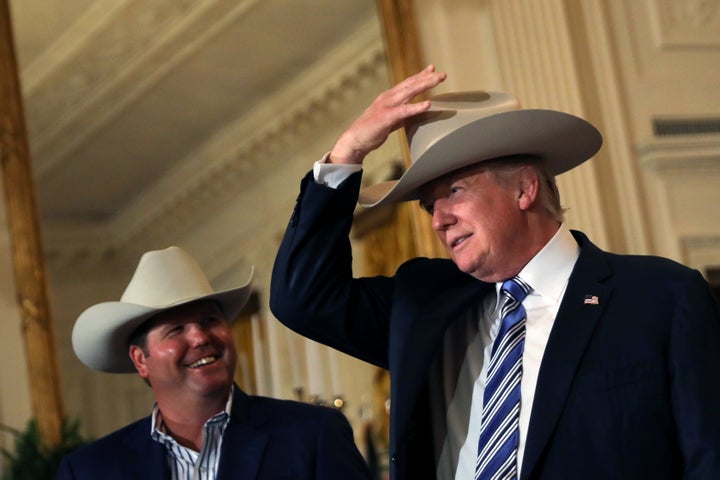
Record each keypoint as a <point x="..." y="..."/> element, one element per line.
<point x="242" y="451"/>
<point x="144" y="457"/>
<point x="243" y="444"/>
<point x="581" y="308"/>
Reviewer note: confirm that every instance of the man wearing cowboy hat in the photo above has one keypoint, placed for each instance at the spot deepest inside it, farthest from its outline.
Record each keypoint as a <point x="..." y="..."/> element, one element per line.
<point x="173" y="329"/>
<point x="530" y="353"/>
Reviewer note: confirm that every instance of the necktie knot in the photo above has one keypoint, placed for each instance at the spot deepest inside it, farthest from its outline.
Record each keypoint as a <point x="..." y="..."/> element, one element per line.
<point x="516" y="288"/>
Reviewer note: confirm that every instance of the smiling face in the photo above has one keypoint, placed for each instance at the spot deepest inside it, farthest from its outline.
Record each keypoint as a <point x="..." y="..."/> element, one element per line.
<point x="485" y="218"/>
<point x="188" y="352"/>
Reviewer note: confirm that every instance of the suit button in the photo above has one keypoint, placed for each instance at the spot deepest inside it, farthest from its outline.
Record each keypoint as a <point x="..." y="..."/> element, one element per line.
<point x="393" y="459"/>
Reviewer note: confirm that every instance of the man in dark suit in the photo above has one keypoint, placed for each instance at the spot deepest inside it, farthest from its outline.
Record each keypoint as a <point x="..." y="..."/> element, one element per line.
<point x="173" y="329"/>
<point x="530" y="353"/>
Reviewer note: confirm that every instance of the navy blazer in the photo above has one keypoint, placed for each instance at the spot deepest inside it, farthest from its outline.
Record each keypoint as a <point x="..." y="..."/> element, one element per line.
<point x="628" y="385"/>
<point x="265" y="439"/>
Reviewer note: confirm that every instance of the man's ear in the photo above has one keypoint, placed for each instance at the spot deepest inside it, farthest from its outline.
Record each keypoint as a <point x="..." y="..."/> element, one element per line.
<point x="528" y="187"/>
<point x="138" y="358"/>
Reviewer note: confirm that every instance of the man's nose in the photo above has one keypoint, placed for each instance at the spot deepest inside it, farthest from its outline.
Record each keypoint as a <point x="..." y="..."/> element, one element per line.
<point x="442" y="217"/>
<point x="197" y="334"/>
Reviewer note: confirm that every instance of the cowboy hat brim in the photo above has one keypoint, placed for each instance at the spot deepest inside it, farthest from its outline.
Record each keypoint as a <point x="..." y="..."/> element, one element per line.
<point x="561" y="140"/>
<point x="101" y="333"/>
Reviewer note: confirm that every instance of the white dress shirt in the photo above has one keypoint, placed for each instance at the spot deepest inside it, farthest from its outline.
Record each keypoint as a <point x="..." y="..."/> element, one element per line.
<point x="547" y="273"/>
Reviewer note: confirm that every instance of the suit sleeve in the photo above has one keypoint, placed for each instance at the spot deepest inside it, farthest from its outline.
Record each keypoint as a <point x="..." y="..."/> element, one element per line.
<point x="694" y="356"/>
<point x="313" y="291"/>
<point x="337" y="454"/>
<point x="64" y="470"/>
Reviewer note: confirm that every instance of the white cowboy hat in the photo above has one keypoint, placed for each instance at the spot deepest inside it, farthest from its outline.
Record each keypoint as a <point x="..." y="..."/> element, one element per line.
<point x="163" y="279"/>
<point x="464" y="128"/>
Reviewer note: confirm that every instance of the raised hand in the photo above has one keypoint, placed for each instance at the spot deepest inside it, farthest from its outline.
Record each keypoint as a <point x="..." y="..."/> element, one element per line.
<point x="386" y="114"/>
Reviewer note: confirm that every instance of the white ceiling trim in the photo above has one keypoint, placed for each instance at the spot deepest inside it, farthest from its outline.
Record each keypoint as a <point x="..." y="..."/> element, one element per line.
<point x="103" y="68"/>
<point x="74" y="40"/>
<point x="238" y="154"/>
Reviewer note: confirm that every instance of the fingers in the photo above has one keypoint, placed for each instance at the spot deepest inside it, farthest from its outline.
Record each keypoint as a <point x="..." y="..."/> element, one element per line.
<point x="393" y="106"/>
<point x="387" y="113"/>
<point x="413" y="86"/>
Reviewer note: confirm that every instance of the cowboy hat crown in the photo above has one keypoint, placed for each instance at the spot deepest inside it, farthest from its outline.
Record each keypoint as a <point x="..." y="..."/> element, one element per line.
<point x="464" y="128"/>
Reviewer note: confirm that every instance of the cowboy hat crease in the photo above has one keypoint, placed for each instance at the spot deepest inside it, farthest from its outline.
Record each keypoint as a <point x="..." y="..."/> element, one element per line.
<point x="162" y="280"/>
<point x="464" y="128"/>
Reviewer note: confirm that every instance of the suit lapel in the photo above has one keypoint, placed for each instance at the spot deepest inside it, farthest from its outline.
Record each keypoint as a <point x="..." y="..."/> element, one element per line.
<point x="243" y="444"/>
<point x="582" y="305"/>
<point x="242" y="452"/>
<point x="144" y="457"/>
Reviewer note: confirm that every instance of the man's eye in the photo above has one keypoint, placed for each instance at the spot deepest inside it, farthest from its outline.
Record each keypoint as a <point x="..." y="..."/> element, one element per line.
<point x="173" y="330"/>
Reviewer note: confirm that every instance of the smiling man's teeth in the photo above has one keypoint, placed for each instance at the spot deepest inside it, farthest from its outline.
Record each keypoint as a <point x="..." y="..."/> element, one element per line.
<point x="202" y="361"/>
<point x="459" y="241"/>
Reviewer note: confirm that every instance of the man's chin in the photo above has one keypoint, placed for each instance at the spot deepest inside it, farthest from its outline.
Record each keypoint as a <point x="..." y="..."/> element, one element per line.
<point x="214" y="392"/>
<point x="213" y="383"/>
<point x="464" y="266"/>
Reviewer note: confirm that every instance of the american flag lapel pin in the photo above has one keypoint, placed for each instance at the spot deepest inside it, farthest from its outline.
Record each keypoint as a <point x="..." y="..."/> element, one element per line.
<point x="591" y="300"/>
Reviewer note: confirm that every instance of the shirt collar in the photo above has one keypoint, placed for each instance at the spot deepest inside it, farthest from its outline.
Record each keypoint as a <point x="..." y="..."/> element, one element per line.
<point x="157" y="427"/>
<point x="549" y="270"/>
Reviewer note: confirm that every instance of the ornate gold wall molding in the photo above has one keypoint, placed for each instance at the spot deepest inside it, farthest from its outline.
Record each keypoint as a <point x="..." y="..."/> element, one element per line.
<point x="404" y="59"/>
<point x="28" y="265"/>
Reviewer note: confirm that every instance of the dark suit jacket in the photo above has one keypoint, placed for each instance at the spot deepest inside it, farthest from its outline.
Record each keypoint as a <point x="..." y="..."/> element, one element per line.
<point x="628" y="386"/>
<point x="265" y="439"/>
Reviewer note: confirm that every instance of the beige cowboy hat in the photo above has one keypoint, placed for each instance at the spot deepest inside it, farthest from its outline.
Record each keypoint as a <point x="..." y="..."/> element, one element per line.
<point x="464" y="128"/>
<point x="163" y="279"/>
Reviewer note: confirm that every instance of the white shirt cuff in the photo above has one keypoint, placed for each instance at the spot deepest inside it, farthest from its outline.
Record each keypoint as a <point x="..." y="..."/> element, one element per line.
<point x="332" y="174"/>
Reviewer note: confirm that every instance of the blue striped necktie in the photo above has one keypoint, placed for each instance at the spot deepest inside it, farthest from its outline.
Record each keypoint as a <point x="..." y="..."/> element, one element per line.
<point x="499" y="430"/>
